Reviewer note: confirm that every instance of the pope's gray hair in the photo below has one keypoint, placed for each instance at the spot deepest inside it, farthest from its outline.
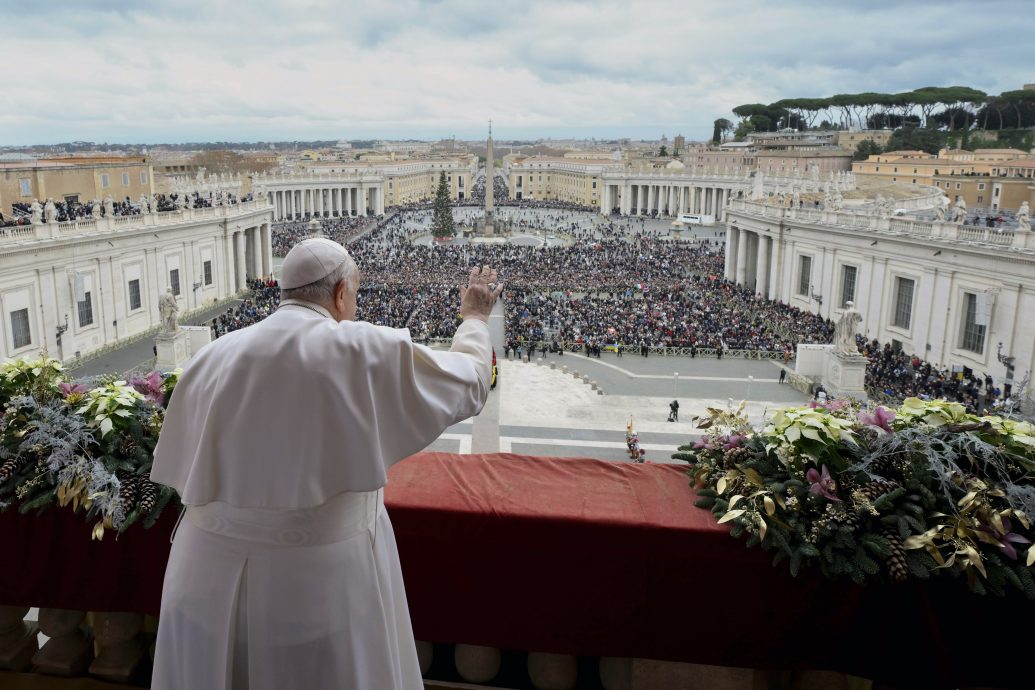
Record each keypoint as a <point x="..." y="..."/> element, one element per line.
<point x="322" y="291"/>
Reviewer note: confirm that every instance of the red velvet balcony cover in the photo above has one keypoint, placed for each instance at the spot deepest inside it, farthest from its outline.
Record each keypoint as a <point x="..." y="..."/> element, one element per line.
<point x="585" y="557"/>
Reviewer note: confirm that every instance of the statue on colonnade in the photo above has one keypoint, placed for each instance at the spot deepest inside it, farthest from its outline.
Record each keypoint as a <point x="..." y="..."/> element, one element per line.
<point x="168" y="309"/>
<point x="36" y="212"/>
<point x="50" y="211"/>
<point x="845" y="330"/>
<point x="959" y="214"/>
<point x="1024" y="218"/>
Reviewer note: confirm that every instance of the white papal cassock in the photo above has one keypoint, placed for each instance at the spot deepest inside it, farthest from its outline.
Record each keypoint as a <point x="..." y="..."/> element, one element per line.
<point x="284" y="572"/>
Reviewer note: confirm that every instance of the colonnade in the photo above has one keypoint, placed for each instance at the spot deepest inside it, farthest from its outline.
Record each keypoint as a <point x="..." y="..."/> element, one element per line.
<point x="249" y="253"/>
<point x="750" y="259"/>
<point x="664" y="199"/>
<point x="327" y="201"/>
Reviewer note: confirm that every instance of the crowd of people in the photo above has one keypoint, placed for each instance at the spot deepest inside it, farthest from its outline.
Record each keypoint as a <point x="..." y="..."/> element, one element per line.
<point x="21" y="212"/>
<point x="615" y="285"/>
<point x="701" y="312"/>
<point x="894" y="375"/>
<point x="263" y="301"/>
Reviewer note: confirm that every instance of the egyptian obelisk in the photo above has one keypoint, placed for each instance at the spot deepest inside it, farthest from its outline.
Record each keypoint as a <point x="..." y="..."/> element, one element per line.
<point x="490" y="175"/>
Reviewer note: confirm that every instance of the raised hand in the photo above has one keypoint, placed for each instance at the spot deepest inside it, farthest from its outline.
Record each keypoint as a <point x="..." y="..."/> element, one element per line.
<point x="481" y="292"/>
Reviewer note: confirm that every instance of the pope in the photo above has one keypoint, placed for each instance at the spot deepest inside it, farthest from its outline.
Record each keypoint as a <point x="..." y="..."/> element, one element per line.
<point x="284" y="571"/>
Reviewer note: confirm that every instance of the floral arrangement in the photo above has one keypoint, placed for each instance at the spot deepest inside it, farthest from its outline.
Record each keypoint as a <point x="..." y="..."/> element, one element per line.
<point x="880" y="494"/>
<point x="67" y="444"/>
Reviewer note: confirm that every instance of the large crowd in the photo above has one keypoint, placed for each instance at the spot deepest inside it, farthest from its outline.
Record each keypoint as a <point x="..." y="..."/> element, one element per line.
<point x="894" y="375"/>
<point x="701" y="312"/>
<point x="615" y="285"/>
<point x="21" y="212"/>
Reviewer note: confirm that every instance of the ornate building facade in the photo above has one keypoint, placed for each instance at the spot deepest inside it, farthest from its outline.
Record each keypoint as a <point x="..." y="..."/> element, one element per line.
<point x="73" y="288"/>
<point x="946" y="292"/>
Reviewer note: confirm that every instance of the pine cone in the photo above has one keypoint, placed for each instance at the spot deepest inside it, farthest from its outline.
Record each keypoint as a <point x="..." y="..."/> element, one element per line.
<point x="897" y="560"/>
<point x="128" y="490"/>
<point x="849" y="518"/>
<point x="735" y="455"/>
<point x="867" y="436"/>
<point x="871" y="491"/>
<point x="11" y="467"/>
<point x="893" y="465"/>
<point x="128" y="447"/>
<point x="148" y="492"/>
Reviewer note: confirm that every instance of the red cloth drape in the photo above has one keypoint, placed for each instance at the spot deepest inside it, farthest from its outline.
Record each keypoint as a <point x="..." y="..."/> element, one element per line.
<point x="587" y="557"/>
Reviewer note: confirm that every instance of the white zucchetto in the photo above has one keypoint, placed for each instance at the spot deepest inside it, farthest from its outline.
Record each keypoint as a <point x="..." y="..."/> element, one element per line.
<point x="311" y="260"/>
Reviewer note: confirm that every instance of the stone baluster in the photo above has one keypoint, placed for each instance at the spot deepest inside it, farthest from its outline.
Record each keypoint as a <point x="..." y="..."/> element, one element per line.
<point x="477" y="664"/>
<point x="18" y="641"/>
<point x="69" y="650"/>
<point x="616" y="673"/>
<point x="123" y="650"/>
<point x="552" y="671"/>
<point x="425" y="656"/>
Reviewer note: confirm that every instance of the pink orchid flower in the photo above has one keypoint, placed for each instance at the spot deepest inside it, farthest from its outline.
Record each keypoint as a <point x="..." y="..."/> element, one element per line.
<point x="68" y="389"/>
<point x="881" y="418"/>
<point x="822" y="484"/>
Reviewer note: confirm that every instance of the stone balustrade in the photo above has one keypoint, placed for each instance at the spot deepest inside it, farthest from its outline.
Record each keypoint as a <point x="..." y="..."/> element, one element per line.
<point x="118" y="648"/>
<point x="938" y="231"/>
<point x="106" y="224"/>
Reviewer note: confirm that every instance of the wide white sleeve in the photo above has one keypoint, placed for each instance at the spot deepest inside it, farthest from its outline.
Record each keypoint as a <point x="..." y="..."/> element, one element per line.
<point x="433" y="390"/>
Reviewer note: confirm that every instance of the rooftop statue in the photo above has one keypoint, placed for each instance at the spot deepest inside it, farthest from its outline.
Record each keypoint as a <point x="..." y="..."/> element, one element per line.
<point x="845" y="330"/>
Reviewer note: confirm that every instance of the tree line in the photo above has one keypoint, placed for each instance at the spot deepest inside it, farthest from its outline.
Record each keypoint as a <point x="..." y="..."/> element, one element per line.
<point x="949" y="108"/>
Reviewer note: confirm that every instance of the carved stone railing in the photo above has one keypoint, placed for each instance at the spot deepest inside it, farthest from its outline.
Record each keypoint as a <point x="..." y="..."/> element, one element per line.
<point x="938" y="231"/>
<point x="497" y="560"/>
<point x="105" y="224"/>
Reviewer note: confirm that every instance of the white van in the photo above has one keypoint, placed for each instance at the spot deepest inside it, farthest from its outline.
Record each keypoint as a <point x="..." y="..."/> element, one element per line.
<point x="696" y="219"/>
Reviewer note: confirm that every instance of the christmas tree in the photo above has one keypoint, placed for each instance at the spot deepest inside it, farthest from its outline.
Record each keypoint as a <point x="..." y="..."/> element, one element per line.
<point x="442" y="221"/>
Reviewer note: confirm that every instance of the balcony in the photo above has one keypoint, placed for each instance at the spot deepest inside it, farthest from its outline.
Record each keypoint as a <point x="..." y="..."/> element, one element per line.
<point x="543" y="573"/>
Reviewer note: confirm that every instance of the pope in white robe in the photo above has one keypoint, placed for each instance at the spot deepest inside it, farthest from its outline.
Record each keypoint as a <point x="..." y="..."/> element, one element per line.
<point x="284" y="571"/>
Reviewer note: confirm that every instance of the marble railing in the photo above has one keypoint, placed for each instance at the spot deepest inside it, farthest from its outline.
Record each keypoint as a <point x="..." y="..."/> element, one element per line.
<point x="940" y="231"/>
<point x="117" y="647"/>
<point x="88" y="226"/>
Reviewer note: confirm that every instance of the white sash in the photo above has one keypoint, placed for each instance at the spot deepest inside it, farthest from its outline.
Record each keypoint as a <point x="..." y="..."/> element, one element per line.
<point x="341" y="517"/>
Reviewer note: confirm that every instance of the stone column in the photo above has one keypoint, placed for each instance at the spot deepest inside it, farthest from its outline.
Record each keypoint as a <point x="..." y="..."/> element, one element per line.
<point x="761" y="263"/>
<point x="267" y="249"/>
<point x="241" y="261"/>
<point x="765" y="275"/>
<point x="348" y="201"/>
<point x="776" y="257"/>
<point x="732" y="236"/>
<point x="257" y="252"/>
<point x="742" y="257"/>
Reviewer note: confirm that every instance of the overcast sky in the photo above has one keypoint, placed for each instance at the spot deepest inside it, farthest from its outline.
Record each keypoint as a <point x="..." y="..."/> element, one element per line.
<point x="205" y="70"/>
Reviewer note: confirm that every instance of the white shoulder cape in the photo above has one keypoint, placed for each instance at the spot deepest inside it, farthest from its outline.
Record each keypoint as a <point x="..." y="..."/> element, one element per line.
<point x="298" y="408"/>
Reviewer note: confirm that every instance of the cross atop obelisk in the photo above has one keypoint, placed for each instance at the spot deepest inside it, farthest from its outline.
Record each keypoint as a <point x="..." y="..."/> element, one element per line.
<point x="490" y="174"/>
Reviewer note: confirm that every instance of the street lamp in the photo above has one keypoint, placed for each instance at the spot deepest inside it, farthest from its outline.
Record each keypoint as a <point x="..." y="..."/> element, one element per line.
<point x="751" y="379"/>
<point x="1007" y="361"/>
<point x="675" y="384"/>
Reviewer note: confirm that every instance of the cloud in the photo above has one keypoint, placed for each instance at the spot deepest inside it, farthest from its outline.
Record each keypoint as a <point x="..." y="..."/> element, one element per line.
<point x="152" y="71"/>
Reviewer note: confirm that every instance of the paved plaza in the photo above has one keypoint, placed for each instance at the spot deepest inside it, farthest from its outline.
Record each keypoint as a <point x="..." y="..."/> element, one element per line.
<point x="539" y="410"/>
